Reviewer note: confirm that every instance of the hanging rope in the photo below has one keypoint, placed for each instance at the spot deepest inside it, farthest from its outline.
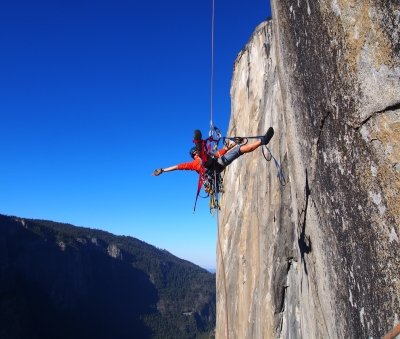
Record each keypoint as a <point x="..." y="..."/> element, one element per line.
<point x="212" y="130"/>
<point x="212" y="68"/>
<point x="268" y="157"/>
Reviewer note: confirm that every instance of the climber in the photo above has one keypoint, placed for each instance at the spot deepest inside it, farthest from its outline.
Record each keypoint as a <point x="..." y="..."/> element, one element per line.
<point x="223" y="157"/>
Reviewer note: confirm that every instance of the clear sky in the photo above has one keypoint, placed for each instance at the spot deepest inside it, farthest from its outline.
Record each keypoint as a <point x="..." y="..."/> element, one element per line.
<point x="94" y="95"/>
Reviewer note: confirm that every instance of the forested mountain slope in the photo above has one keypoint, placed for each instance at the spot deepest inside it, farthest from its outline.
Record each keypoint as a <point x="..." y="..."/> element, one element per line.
<point x="62" y="281"/>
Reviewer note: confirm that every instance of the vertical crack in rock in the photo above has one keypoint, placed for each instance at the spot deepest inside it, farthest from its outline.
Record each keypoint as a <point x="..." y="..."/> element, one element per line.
<point x="304" y="241"/>
<point x="281" y="295"/>
<point x="281" y="307"/>
<point x="321" y="126"/>
<point x="267" y="49"/>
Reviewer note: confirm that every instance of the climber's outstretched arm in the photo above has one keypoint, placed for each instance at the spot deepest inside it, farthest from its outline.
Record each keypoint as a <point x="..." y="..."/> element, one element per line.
<point x="194" y="165"/>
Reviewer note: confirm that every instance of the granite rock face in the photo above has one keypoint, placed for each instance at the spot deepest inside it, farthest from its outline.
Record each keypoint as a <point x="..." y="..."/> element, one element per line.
<point x="318" y="257"/>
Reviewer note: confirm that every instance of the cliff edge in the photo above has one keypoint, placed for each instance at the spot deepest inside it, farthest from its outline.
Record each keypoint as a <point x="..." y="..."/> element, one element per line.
<point x="318" y="257"/>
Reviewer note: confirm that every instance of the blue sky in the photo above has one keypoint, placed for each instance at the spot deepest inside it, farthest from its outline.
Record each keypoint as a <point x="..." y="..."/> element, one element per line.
<point x="94" y="95"/>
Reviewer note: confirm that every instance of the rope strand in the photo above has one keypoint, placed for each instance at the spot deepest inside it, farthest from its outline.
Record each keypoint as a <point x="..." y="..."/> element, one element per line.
<point x="211" y="131"/>
<point x="212" y="68"/>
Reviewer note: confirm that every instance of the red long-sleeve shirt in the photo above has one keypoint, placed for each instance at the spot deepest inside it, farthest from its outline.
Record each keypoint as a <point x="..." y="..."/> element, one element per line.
<point x="195" y="165"/>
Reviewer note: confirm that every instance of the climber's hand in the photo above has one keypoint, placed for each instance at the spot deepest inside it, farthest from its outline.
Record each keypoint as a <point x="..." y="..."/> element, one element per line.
<point x="157" y="172"/>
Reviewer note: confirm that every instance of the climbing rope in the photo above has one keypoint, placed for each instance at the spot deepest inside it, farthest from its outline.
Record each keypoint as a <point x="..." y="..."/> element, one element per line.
<point x="218" y="134"/>
<point x="212" y="68"/>
<point x="268" y="157"/>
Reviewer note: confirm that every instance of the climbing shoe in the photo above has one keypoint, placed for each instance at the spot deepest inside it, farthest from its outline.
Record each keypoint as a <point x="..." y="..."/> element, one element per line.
<point x="267" y="137"/>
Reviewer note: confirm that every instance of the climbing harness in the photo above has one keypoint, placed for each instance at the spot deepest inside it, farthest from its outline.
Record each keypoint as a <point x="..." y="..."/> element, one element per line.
<point x="210" y="178"/>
